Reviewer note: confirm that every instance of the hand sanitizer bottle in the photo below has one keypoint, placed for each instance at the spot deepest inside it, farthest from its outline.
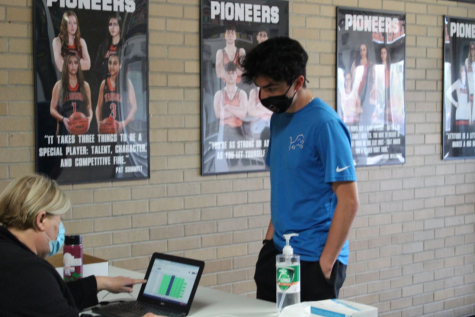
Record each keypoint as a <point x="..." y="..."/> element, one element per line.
<point x="287" y="276"/>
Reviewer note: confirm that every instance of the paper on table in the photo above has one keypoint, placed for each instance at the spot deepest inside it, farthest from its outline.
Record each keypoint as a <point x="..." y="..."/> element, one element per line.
<point x="297" y="310"/>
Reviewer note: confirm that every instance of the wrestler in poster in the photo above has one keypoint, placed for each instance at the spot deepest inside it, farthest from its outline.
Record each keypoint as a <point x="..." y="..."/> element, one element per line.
<point x="458" y="134"/>
<point x="371" y="52"/>
<point x="234" y="124"/>
<point x="91" y="90"/>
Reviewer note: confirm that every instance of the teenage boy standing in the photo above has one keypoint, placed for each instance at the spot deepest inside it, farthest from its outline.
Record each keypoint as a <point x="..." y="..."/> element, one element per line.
<point x="313" y="182"/>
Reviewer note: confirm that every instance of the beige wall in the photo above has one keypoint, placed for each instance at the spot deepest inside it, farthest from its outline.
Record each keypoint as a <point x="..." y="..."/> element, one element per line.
<point x="413" y="240"/>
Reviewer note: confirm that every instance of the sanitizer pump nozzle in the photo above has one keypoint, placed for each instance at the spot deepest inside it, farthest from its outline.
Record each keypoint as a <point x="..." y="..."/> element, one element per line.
<point x="288" y="250"/>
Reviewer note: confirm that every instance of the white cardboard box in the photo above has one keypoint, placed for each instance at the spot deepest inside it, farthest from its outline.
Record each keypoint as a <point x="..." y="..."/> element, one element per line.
<point x="91" y="265"/>
<point x="341" y="308"/>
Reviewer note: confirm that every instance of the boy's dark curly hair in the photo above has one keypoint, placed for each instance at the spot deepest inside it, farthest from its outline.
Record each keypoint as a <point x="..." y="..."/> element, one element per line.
<point x="279" y="58"/>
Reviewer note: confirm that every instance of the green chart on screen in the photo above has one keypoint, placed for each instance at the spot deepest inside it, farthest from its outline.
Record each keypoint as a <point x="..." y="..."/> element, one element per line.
<point x="172" y="286"/>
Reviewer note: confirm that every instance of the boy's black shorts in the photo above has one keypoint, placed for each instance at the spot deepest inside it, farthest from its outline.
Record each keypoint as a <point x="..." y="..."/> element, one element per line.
<point x="313" y="284"/>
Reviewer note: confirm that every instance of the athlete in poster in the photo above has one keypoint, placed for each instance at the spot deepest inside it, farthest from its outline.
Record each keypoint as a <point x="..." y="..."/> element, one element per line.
<point x="463" y="112"/>
<point x="69" y="40"/>
<point x="379" y="96"/>
<point x="116" y="100"/>
<point x="112" y="45"/>
<point x="230" y="108"/>
<point x="230" y="53"/>
<point x="470" y="67"/>
<point x="260" y="124"/>
<point x="350" y="102"/>
<point x="71" y="94"/>
<point x="262" y="35"/>
<point x="261" y="114"/>
<point x="360" y="69"/>
<point x="230" y="103"/>
<point x="385" y="76"/>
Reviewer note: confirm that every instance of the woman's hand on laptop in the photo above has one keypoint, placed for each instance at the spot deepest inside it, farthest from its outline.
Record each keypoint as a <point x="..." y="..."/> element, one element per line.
<point x="119" y="284"/>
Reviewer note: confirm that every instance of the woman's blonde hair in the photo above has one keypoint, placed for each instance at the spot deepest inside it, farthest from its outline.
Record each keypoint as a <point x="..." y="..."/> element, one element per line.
<point x="26" y="196"/>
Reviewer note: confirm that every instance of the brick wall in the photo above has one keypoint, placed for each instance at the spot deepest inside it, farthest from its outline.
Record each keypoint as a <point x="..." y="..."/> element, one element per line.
<point x="413" y="240"/>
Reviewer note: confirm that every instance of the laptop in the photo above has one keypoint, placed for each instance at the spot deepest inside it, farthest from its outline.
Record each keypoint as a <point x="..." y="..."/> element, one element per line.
<point x="171" y="285"/>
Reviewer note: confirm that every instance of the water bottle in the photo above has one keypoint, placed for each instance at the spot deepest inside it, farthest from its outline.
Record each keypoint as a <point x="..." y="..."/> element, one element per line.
<point x="72" y="258"/>
<point x="287" y="276"/>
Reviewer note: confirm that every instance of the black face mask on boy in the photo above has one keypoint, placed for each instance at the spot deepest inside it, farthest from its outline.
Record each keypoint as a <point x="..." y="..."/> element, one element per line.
<point x="277" y="104"/>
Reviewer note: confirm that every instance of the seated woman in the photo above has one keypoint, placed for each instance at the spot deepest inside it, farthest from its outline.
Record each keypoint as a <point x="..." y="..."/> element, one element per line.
<point x="31" y="209"/>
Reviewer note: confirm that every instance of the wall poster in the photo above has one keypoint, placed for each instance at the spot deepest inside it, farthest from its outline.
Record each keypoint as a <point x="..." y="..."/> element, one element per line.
<point x="91" y="90"/>
<point x="234" y="124"/>
<point x="371" y="54"/>
<point x="458" y="134"/>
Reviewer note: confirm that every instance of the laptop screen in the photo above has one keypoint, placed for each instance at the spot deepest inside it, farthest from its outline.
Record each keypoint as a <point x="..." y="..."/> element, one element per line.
<point x="171" y="282"/>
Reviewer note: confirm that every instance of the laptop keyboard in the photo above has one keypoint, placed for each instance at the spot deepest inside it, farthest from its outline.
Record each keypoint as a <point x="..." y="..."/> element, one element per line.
<point x="142" y="309"/>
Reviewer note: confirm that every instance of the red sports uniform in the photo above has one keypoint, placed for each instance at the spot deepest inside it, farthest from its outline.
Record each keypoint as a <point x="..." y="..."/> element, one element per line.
<point x="235" y="61"/>
<point x="233" y="122"/>
<point x="73" y="101"/>
<point x="73" y="49"/>
<point x="111" y="107"/>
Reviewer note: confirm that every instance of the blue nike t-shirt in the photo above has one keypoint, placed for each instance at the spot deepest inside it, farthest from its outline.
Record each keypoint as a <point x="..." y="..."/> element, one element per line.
<point x="308" y="151"/>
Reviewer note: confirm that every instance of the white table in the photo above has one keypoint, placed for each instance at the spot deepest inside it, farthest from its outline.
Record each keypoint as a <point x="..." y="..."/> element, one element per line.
<point x="207" y="302"/>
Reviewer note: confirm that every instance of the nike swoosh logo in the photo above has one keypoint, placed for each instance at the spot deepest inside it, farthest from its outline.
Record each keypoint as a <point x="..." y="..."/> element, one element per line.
<point x="338" y="169"/>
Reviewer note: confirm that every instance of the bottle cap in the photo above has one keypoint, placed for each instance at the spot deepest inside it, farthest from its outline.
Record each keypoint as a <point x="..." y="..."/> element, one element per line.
<point x="73" y="240"/>
<point x="288" y="249"/>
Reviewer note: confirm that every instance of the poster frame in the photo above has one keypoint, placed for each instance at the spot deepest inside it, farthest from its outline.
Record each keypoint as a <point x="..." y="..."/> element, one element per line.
<point x="374" y="12"/>
<point x="203" y="117"/>
<point x="445" y="103"/>
<point x="144" y="82"/>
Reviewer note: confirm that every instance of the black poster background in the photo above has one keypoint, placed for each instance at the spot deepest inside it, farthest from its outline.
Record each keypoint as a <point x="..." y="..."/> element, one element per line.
<point x="243" y="147"/>
<point x="93" y="160"/>
<point x="377" y="121"/>
<point x="458" y="134"/>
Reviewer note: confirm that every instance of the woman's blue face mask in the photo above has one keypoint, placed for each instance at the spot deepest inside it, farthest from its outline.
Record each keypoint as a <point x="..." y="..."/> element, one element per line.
<point x="55" y="245"/>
